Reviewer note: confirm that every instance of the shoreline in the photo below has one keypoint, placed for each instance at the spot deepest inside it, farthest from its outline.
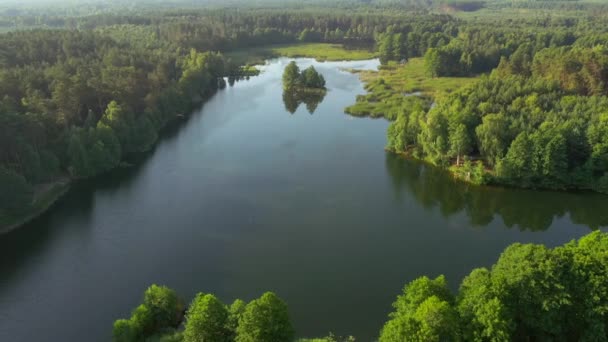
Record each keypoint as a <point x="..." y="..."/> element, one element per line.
<point x="490" y="182"/>
<point x="368" y="107"/>
<point x="45" y="201"/>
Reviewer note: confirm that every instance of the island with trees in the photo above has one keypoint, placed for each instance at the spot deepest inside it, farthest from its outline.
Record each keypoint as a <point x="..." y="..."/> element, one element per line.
<point x="306" y="86"/>
<point x="305" y="80"/>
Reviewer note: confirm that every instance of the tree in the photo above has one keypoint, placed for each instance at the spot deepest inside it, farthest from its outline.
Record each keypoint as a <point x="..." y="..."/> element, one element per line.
<point x="432" y="63"/>
<point x="121" y="122"/>
<point x="433" y="137"/>
<point x="16" y="194"/>
<point x="310" y="78"/>
<point x="77" y="155"/>
<point x="206" y="320"/>
<point x="265" y="319"/>
<point x="291" y="76"/>
<point x="161" y="311"/>
<point x="142" y="322"/>
<point x="164" y="305"/>
<point x="396" y="138"/>
<point x="555" y="160"/>
<point x="423" y="312"/>
<point x="483" y="315"/>
<point x="104" y="151"/>
<point x="386" y="47"/>
<point x="438" y="321"/>
<point x="516" y="165"/>
<point x="532" y="292"/>
<point x="460" y="143"/>
<point x="235" y="313"/>
<point x="123" y="331"/>
<point x="144" y="134"/>
<point x="493" y="136"/>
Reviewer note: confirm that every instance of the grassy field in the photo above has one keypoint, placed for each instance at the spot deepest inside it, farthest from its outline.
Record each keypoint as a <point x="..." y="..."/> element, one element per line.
<point x="319" y="51"/>
<point x="324" y="52"/>
<point x="391" y="90"/>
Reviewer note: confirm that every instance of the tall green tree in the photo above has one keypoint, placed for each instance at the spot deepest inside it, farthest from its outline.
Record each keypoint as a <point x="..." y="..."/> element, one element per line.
<point x="16" y="194"/>
<point x="460" y="142"/>
<point x="164" y="305"/>
<point x="432" y="63"/>
<point x="206" y="320"/>
<point x="493" y="136"/>
<point x="265" y="319"/>
<point x="291" y="76"/>
<point x="423" y="312"/>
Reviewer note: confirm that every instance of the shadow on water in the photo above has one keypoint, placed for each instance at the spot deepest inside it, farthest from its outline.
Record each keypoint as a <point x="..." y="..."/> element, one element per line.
<point x="76" y="205"/>
<point x="525" y="209"/>
<point x="37" y="235"/>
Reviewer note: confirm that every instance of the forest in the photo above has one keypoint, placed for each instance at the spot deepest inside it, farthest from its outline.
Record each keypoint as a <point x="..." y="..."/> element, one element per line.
<point x="510" y="93"/>
<point x="534" y="118"/>
<point x="531" y="293"/>
<point x="77" y="102"/>
<point x="81" y="93"/>
<point x="84" y="89"/>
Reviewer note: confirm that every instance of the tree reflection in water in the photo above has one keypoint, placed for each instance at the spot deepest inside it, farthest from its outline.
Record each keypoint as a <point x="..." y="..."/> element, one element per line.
<point x="526" y="209"/>
<point x="293" y="98"/>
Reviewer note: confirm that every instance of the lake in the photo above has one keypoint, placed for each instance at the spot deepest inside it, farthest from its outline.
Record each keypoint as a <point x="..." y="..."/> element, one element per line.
<point x="246" y="196"/>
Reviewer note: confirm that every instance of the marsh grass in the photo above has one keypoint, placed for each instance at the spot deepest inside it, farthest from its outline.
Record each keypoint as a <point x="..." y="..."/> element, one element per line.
<point x="398" y="88"/>
<point x="318" y="51"/>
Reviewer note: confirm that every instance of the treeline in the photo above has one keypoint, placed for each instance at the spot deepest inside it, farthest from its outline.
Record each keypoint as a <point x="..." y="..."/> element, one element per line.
<point x="545" y="130"/>
<point x="532" y="293"/>
<point x="75" y="102"/>
<point x="225" y="29"/>
<point x="161" y="314"/>
<point x="453" y="48"/>
<point x="537" y="121"/>
<point x="434" y="189"/>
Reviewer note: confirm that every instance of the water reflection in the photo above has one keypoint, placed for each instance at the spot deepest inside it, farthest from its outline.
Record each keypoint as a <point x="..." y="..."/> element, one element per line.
<point x="234" y="79"/>
<point x="293" y="99"/>
<point x="524" y="209"/>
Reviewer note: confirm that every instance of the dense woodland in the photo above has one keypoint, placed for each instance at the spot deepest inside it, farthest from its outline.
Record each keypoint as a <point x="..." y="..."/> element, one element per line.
<point x="532" y="293"/>
<point x="83" y="89"/>
<point x="536" y="117"/>
<point x="93" y="85"/>
<point x="206" y="319"/>
<point x="77" y="102"/>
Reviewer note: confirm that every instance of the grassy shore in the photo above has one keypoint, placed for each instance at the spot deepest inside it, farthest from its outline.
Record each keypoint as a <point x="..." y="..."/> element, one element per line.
<point x="411" y="77"/>
<point x="319" y="51"/>
<point x="401" y="87"/>
<point x="44" y="198"/>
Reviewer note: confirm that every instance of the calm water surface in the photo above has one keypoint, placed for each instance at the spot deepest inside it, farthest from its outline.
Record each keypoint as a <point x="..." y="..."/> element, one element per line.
<point x="246" y="197"/>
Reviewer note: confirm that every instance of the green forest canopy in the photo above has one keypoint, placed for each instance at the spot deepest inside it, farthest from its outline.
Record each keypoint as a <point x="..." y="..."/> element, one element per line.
<point x="94" y="84"/>
<point x="531" y="293"/>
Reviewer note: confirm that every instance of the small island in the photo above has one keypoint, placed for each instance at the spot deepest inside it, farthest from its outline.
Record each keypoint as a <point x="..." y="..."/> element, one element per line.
<point x="307" y="86"/>
<point x="306" y="81"/>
